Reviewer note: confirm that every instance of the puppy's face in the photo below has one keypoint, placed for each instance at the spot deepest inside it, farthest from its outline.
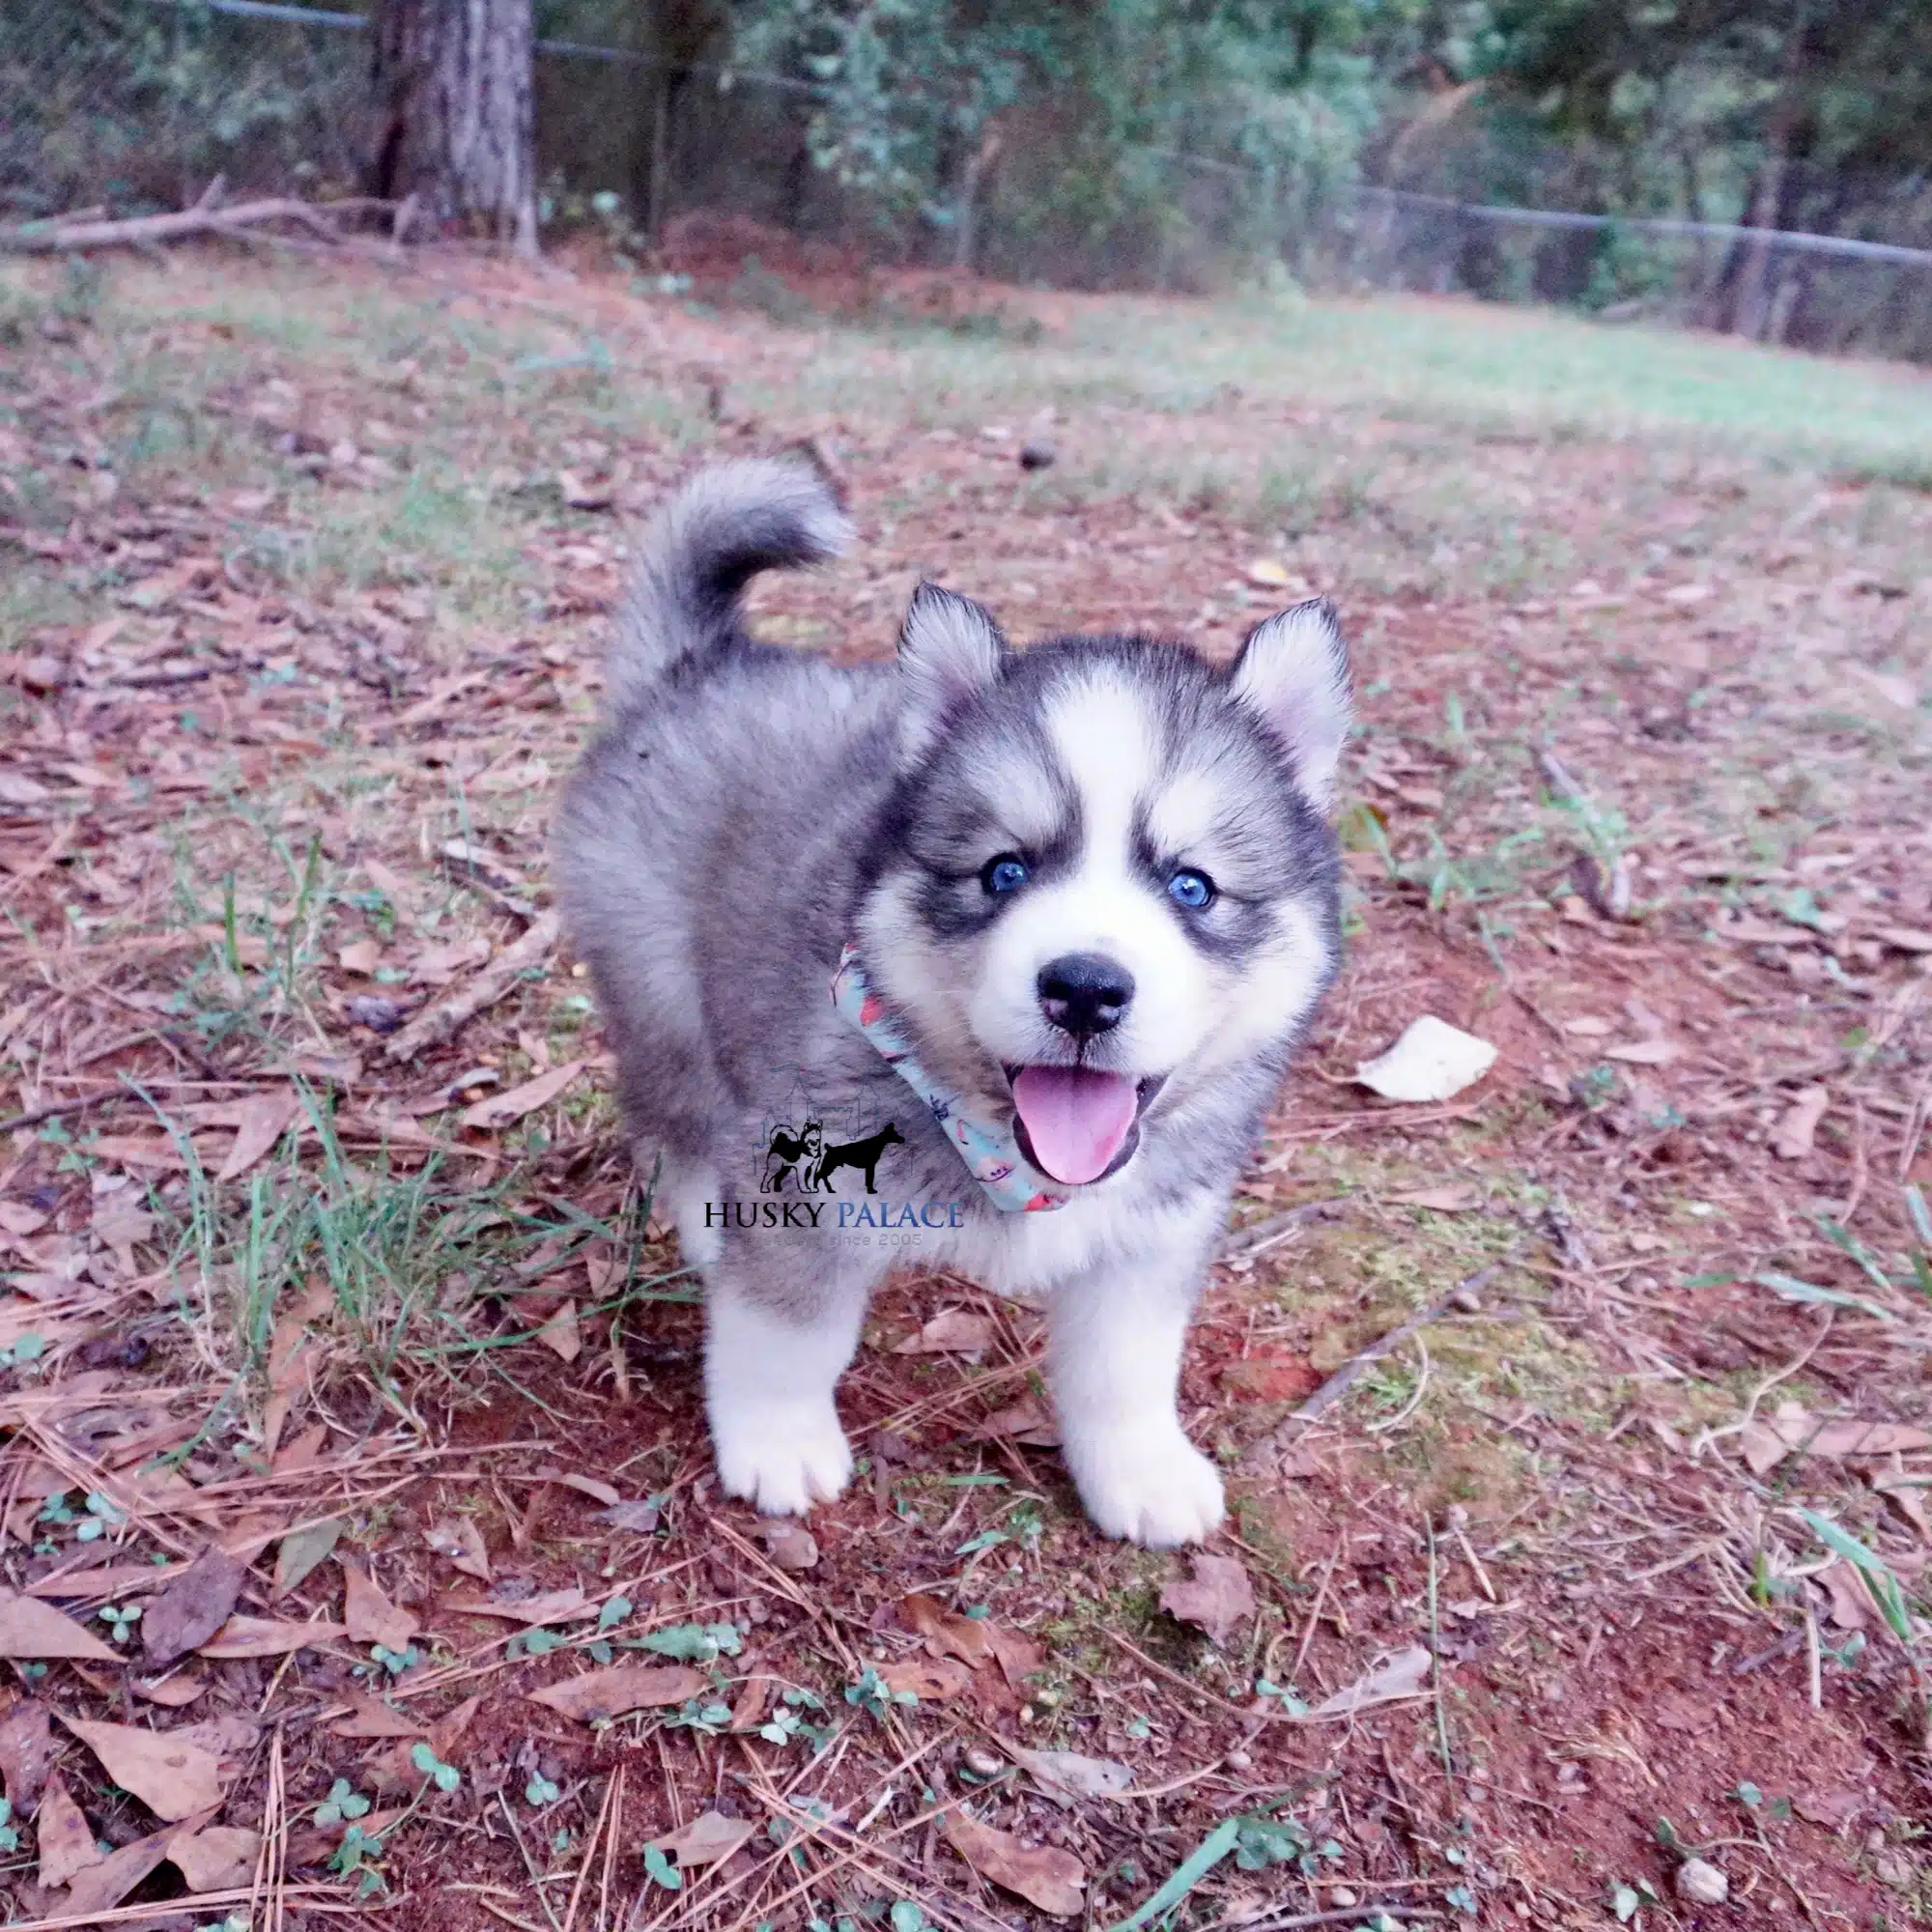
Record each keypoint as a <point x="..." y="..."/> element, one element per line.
<point x="1107" y="877"/>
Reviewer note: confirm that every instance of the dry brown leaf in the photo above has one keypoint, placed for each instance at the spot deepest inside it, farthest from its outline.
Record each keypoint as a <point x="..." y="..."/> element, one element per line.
<point x="953" y="1331"/>
<point x="174" y="1692"/>
<point x="449" y="1730"/>
<point x="262" y="1121"/>
<point x="34" y="1631"/>
<point x="65" y="1837"/>
<point x="789" y="1544"/>
<point x="1793" y="1429"/>
<point x="438" y="965"/>
<point x="1790" y="1139"/>
<point x="138" y="1151"/>
<point x="370" y="1718"/>
<point x="231" y="1737"/>
<point x="1644" y="1052"/>
<point x="755" y="1700"/>
<point x="1833" y="1808"/>
<point x="973" y="1640"/>
<point x="927" y="1678"/>
<point x="1025" y="1421"/>
<point x="267" y="1636"/>
<point x="500" y="1109"/>
<point x="192" y="1607"/>
<point x="172" y="1776"/>
<point x="1682" y="1711"/>
<point x="946" y="1633"/>
<point x="709" y="1838"/>
<point x="369" y="1615"/>
<point x="622" y="1688"/>
<point x="106" y="1579"/>
<point x="27" y="1751"/>
<point x="1216" y="1599"/>
<point x="303" y="1452"/>
<point x="214" y="1857"/>
<point x="1066" y="1776"/>
<point x="559" y="1333"/>
<point x="457" y="1539"/>
<point x="1053" y="1880"/>
<point x="581" y="494"/>
<point x="1850" y="1601"/>
<point x="102" y="1887"/>
<point x="361" y="957"/>
<point x="1906" y="1495"/>
<point x="552" y="1606"/>
<point x="117" y="1223"/>
<point x="593" y="1487"/>
<point x="1401" y="1675"/>
<point x="303" y="1550"/>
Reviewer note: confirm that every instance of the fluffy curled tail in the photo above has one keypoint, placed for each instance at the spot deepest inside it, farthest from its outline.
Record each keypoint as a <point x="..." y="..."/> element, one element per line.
<point x="701" y="550"/>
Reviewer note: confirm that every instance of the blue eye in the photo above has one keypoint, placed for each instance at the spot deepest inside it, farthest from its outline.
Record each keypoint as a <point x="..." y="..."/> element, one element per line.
<point x="1005" y="874"/>
<point x="1193" y="889"/>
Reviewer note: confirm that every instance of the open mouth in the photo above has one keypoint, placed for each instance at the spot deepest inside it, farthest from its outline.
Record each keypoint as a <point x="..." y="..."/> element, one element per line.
<point x="1076" y="1125"/>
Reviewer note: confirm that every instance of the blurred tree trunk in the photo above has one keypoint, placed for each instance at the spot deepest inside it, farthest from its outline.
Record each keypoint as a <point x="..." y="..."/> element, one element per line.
<point x="454" y="118"/>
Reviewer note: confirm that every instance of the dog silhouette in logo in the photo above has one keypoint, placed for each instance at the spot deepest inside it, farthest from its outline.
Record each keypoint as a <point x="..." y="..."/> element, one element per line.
<point x="796" y="1154"/>
<point x="861" y="1156"/>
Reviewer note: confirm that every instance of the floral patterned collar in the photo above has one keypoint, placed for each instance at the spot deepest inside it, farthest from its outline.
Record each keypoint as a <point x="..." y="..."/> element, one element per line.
<point x="991" y="1154"/>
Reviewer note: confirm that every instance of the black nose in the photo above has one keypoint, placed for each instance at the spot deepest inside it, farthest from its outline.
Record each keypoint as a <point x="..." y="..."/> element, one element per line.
<point x="1085" y="992"/>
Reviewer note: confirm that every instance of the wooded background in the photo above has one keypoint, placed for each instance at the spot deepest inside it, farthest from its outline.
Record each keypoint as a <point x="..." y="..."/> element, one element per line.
<point x="1178" y="144"/>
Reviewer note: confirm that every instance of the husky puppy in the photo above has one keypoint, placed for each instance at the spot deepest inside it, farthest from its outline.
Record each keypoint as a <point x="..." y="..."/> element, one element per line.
<point x="1080" y="900"/>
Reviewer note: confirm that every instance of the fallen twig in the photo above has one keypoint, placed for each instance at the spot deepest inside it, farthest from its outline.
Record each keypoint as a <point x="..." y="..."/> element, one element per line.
<point x="1244" y="1243"/>
<point x="1344" y="1378"/>
<point x="34" y="1115"/>
<point x="436" y="1024"/>
<point x="205" y="217"/>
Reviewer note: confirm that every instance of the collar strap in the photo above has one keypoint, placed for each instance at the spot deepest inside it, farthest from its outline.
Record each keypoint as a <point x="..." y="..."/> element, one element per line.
<point x="991" y="1154"/>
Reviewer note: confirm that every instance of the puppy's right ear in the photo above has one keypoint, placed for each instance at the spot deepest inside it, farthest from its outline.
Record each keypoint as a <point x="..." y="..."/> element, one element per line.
<point x="950" y="651"/>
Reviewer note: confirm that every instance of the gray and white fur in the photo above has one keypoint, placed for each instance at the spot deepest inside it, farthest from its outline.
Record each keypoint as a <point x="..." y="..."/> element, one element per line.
<point x="747" y="809"/>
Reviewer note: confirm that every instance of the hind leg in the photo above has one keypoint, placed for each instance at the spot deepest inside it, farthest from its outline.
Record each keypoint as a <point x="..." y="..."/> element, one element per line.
<point x="774" y="1350"/>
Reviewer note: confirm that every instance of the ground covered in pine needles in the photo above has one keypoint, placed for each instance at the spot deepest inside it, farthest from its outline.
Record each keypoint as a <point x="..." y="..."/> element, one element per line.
<point x="359" y="1553"/>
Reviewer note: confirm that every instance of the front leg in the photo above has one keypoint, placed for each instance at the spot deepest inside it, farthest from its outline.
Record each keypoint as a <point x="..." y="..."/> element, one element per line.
<point x="774" y="1350"/>
<point x="1114" y="1337"/>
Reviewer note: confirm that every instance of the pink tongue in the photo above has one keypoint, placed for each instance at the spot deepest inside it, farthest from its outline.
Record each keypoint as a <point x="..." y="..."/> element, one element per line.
<point x="1075" y="1119"/>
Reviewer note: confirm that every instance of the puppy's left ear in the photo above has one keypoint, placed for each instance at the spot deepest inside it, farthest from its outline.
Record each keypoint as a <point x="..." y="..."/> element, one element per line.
<point x="950" y="651"/>
<point x="1293" y="672"/>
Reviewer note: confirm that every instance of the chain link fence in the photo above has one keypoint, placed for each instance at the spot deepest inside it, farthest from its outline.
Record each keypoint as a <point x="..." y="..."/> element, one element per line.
<point x="135" y="105"/>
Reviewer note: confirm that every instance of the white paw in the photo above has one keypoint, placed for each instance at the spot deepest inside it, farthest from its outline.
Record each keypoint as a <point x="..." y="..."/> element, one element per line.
<point x="1150" y="1485"/>
<point x="782" y="1457"/>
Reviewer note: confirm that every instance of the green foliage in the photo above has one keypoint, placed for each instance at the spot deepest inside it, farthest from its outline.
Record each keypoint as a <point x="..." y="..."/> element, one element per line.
<point x="1262" y="1840"/>
<point x="871" y="1693"/>
<point x="120" y="1621"/>
<point x="1087" y="126"/>
<point x="133" y="101"/>
<point x="343" y="1801"/>
<point x="706" y="1716"/>
<point x="445" y="1776"/>
<point x="695" y="1643"/>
